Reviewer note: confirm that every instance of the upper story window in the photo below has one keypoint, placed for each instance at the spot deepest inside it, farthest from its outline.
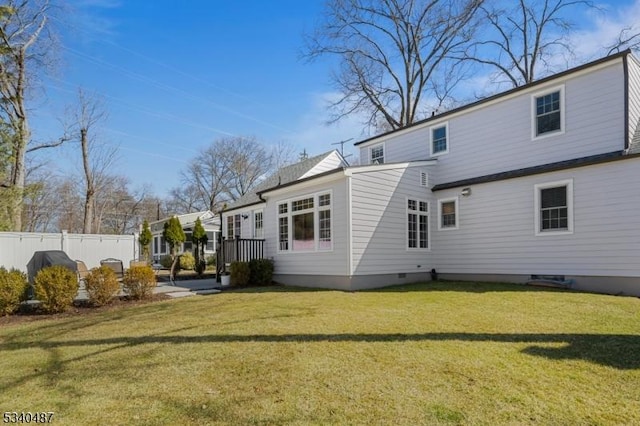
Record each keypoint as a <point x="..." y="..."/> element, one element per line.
<point x="377" y="154"/>
<point x="439" y="139"/>
<point x="548" y="113"/>
<point x="554" y="207"/>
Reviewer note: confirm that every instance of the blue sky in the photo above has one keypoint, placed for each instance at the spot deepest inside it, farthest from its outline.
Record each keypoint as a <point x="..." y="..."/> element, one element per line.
<point x="177" y="75"/>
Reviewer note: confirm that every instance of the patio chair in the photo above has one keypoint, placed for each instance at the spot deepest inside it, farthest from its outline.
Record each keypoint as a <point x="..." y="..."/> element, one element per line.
<point x="83" y="271"/>
<point x="115" y="265"/>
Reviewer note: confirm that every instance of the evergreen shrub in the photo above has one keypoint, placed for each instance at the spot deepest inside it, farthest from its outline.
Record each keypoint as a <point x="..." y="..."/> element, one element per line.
<point x="102" y="285"/>
<point x="55" y="287"/>
<point x="261" y="271"/>
<point x="138" y="282"/>
<point x="240" y="273"/>
<point x="13" y="288"/>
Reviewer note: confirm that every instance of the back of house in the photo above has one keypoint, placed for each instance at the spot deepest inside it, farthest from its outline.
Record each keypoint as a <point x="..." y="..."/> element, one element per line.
<point x="537" y="182"/>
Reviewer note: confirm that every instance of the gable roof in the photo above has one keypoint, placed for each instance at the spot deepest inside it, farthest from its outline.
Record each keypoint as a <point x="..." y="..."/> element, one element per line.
<point x="544" y="80"/>
<point x="187" y="220"/>
<point x="283" y="176"/>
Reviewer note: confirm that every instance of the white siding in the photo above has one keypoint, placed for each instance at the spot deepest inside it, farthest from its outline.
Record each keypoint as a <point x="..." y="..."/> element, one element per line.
<point x="333" y="262"/>
<point x="496" y="137"/>
<point x="246" y="224"/>
<point x="379" y="222"/>
<point x="496" y="234"/>
<point x="332" y="161"/>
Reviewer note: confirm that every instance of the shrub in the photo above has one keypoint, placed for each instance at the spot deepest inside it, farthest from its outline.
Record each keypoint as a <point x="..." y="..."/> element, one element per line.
<point x="139" y="282"/>
<point x="55" y="288"/>
<point x="211" y="260"/>
<point x="187" y="261"/>
<point x="240" y="273"/>
<point x="261" y="271"/>
<point x="13" y="288"/>
<point x="201" y="267"/>
<point x="102" y="285"/>
<point x="166" y="261"/>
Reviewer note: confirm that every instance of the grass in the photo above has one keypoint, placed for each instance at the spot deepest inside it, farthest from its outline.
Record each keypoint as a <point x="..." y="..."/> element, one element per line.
<point x="441" y="353"/>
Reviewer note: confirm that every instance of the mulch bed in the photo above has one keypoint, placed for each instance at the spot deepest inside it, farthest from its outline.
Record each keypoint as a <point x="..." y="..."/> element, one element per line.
<point x="28" y="314"/>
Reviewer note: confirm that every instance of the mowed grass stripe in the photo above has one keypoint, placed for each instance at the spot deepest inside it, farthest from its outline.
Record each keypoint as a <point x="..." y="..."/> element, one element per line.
<point x="437" y="353"/>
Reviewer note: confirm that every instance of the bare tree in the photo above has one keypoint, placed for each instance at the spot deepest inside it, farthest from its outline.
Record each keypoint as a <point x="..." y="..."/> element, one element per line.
<point x="185" y="199"/>
<point x="524" y="38"/>
<point x="225" y="171"/>
<point x="24" y="46"/>
<point x="391" y="52"/>
<point x="41" y="201"/>
<point x="97" y="157"/>
<point x="69" y="214"/>
<point x="248" y="163"/>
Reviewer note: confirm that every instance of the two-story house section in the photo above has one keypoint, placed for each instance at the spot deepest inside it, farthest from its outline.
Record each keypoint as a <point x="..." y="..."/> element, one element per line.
<point x="539" y="181"/>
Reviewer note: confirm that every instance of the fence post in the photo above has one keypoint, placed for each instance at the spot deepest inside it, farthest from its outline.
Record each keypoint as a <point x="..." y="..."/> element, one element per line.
<point x="136" y="247"/>
<point x="64" y="241"/>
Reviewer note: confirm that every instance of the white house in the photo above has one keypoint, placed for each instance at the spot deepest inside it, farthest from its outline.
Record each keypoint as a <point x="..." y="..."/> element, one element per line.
<point x="542" y="180"/>
<point x="210" y="223"/>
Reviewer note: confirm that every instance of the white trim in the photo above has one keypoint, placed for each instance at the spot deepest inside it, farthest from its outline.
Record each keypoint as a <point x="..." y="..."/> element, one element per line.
<point x="444" y="124"/>
<point x="457" y="205"/>
<point x="384" y="152"/>
<point x="423" y="178"/>
<point x="536" y="196"/>
<point x="503" y="98"/>
<point x="316" y="222"/>
<point x="534" y="121"/>
<point x="388" y="166"/>
<point x="350" y="268"/>
<point x="309" y="183"/>
<point x="418" y="213"/>
<point x="253" y="220"/>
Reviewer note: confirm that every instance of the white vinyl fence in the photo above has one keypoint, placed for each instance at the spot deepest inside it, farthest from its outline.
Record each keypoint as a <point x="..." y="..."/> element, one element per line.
<point x="17" y="248"/>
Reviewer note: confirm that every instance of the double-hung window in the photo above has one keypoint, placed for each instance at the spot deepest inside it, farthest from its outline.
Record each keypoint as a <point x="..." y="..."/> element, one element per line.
<point x="257" y="225"/>
<point x="448" y="214"/>
<point x="324" y="222"/>
<point x="439" y="139"/>
<point x="554" y="208"/>
<point x="417" y="224"/>
<point x="233" y="226"/>
<point x="548" y="113"/>
<point x="304" y="224"/>
<point x="377" y="154"/>
<point x="283" y="227"/>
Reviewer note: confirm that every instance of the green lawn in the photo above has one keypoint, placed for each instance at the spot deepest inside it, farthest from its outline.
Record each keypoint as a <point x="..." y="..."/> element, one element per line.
<point x="444" y="353"/>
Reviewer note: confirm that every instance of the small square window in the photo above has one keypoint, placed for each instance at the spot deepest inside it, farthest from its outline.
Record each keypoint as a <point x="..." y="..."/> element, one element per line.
<point x="377" y="154"/>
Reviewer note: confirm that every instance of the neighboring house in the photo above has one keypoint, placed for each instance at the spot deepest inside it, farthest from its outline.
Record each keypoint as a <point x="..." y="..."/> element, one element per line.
<point x="210" y="223"/>
<point x="541" y="180"/>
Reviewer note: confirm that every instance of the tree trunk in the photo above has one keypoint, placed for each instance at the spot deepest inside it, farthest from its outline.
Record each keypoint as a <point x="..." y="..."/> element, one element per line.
<point x="90" y="189"/>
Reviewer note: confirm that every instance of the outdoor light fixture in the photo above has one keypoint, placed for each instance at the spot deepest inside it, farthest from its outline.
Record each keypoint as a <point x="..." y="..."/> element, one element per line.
<point x="245" y="216"/>
<point x="466" y="192"/>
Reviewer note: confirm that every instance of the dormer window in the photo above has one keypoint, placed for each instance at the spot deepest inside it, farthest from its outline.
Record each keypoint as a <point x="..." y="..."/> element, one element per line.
<point x="377" y="154"/>
<point x="548" y="113"/>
